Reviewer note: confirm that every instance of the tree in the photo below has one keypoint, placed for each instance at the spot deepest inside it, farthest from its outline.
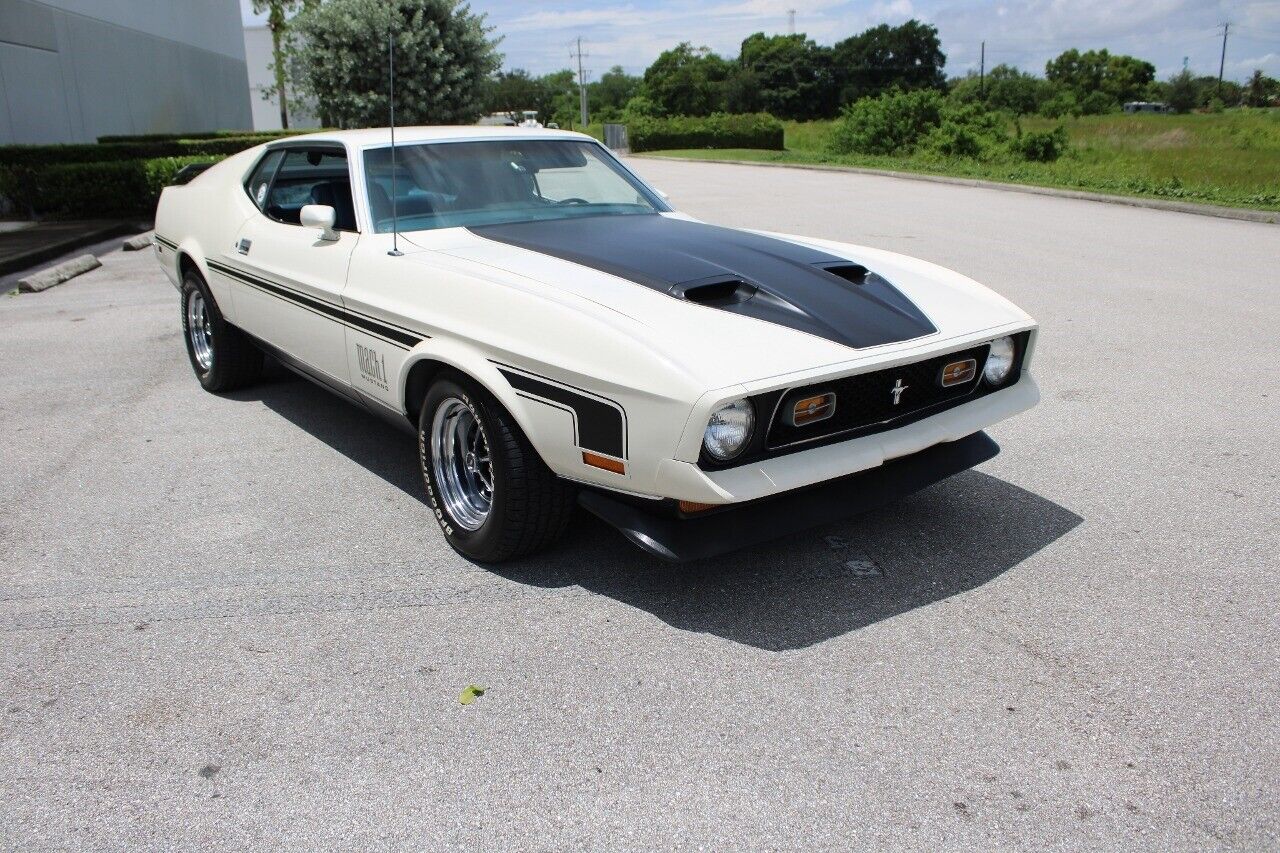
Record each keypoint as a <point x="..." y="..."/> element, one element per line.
<point x="1126" y="78"/>
<point x="1082" y="73"/>
<point x="512" y="91"/>
<point x="561" y="104"/>
<point x="1261" y="89"/>
<point x="687" y="81"/>
<point x="553" y="96"/>
<point x="882" y="58"/>
<point x="1182" y="91"/>
<point x="1117" y="77"/>
<point x="278" y="22"/>
<point x="1005" y="88"/>
<point x="443" y="58"/>
<point x="791" y="77"/>
<point x="608" y="96"/>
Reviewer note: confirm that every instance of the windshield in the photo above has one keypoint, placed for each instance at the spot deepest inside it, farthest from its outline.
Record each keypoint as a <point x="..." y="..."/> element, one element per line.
<point x="450" y="184"/>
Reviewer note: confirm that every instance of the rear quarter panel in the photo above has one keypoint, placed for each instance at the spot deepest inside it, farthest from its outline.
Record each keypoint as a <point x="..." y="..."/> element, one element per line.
<point x="203" y="218"/>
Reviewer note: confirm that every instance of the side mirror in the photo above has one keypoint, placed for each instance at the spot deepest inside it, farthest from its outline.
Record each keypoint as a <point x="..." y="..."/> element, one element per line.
<point x="661" y="194"/>
<point x="320" y="216"/>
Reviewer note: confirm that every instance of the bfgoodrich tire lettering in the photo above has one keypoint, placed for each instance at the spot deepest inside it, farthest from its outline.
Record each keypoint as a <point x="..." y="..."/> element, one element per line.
<point x="529" y="506"/>
<point x="222" y="357"/>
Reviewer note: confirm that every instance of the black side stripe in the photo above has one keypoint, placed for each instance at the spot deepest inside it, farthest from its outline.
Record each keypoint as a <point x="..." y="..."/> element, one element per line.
<point x="359" y="321"/>
<point x="598" y="425"/>
<point x="164" y="242"/>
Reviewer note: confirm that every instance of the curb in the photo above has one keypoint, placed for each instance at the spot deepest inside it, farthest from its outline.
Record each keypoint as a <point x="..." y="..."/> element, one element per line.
<point x="1245" y="214"/>
<point x="54" y="276"/>
<point x="49" y="251"/>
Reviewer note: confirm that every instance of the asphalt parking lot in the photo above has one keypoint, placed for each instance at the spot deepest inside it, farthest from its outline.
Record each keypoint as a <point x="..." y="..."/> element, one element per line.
<point x="229" y="621"/>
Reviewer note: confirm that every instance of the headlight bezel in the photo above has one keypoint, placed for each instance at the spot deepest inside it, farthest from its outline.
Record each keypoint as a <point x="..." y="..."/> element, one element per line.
<point x="743" y="407"/>
<point x="1003" y="362"/>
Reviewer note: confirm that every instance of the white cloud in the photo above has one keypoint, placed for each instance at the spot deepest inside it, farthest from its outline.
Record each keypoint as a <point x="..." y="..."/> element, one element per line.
<point x="1026" y="33"/>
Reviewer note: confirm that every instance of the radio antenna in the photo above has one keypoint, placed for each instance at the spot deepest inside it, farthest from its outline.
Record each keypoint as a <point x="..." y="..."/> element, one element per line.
<point x="391" y="55"/>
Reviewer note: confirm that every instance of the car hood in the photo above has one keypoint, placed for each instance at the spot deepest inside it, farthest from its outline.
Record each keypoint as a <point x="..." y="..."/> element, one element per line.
<point x="731" y="305"/>
<point x="752" y="275"/>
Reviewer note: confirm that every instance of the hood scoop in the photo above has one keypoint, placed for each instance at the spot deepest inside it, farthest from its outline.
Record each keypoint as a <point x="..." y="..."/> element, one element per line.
<point x="715" y="292"/>
<point x="852" y="273"/>
<point x="735" y="271"/>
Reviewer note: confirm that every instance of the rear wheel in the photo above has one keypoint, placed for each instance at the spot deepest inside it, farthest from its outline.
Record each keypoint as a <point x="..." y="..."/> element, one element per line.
<point x="493" y="496"/>
<point x="222" y="356"/>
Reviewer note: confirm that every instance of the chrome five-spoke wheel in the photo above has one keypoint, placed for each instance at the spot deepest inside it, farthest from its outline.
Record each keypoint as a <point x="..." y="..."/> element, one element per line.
<point x="199" y="330"/>
<point x="461" y="464"/>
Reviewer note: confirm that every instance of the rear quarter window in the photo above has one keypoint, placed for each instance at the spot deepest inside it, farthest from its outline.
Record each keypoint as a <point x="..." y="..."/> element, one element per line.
<point x="259" y="183"/>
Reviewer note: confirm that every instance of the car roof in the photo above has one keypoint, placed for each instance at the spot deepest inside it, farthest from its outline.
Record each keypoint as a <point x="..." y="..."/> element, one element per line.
<point x="411" y="135"/>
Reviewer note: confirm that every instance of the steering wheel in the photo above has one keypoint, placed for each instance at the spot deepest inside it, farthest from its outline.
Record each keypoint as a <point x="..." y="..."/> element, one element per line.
<point x="573" y="200"/>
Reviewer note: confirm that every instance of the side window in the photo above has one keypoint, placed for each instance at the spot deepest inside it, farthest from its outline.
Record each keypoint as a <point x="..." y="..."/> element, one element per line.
<point x="312" y="177"/>
<point x="260" y="181"/>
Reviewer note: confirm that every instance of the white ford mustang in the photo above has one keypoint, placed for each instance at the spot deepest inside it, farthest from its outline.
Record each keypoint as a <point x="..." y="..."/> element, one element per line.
<point x="555" y="333"/>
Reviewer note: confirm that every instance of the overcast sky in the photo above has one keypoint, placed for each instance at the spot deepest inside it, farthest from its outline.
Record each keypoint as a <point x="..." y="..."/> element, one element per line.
<point x="539" y="36"/>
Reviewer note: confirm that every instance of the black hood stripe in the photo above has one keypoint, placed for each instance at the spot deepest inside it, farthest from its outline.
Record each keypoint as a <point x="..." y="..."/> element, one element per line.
<point x="781" y="282"/>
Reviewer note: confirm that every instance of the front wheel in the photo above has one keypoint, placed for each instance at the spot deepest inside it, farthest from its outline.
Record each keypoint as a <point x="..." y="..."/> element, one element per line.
<point x="493" y="496"/>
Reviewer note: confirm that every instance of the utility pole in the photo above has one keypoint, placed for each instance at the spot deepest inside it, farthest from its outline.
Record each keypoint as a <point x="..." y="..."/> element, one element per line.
<point x="1222" y="64"/>
<point x="582" y="84"/>
<point x="982" y="73"/>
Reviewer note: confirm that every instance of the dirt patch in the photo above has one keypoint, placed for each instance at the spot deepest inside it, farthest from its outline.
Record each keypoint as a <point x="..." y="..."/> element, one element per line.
<point x="1178" y="137"/>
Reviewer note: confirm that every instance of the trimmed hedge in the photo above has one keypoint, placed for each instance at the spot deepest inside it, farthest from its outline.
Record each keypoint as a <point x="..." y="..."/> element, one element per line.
<point x="121" y="189"/>
<point x="719" y="130"/>
<point x="203" y="134"/>
<point x="32" y="156"/>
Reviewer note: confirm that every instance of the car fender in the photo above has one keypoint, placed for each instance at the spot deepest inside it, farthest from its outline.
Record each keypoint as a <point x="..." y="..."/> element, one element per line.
<point x="551" y="431"/>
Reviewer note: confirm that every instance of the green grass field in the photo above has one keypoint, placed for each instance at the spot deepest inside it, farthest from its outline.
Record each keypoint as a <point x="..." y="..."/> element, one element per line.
<point x="1230" y="158"/>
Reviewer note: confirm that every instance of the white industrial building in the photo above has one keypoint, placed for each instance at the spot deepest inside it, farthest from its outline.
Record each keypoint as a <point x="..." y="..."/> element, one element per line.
<point x="262" y="85"/>
<point x="74" y="70"/>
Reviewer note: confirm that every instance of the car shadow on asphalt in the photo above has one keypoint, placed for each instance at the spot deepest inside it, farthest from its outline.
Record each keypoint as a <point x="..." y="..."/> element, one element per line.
<point x="953" y="537"/>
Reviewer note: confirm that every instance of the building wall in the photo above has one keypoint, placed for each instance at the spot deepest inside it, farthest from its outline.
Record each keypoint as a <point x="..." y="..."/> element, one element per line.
<point x="73" y="70"/>
<point x="266" y="111"/>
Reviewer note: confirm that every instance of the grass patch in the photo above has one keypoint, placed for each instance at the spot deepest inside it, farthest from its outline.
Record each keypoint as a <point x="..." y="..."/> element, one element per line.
<point x="1230" y="158"/>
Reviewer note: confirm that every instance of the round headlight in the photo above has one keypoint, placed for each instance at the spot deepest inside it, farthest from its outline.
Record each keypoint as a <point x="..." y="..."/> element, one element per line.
<point x="729" y="430"/>
<point x="999" y="361"/>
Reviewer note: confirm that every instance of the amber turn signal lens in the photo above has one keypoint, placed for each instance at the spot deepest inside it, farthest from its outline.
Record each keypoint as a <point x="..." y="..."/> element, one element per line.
<point x="958" y="372"/>
<point x="811" y="409"/>
<point x="694" y="506"/>
<point x="595" y="460"/>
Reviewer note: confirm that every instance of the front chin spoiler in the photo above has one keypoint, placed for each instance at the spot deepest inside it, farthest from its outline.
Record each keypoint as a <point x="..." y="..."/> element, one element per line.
<point x="753" y="522"/>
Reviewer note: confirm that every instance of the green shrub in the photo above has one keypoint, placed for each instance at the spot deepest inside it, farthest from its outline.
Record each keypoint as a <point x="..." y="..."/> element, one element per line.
<point x="954" y="139"/>
<point x="966" y="130"/>
<point x="203" y="134"/>
<point x="121" y="189"/>
<point x="1097" y="104"/>
<point x="639" y="106"/>
<point x="893" y="123"/>
<point x="1041" y="146"/>
<point x="12" y="156"/>
<point x="1062" y="104"/>
<point x="901" y="123"/>
<point x="718" y="130"/>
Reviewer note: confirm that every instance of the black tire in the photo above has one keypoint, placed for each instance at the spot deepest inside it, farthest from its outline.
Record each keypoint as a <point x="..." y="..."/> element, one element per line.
<point x="235" y="362"/>
<point x="531" y="506"/>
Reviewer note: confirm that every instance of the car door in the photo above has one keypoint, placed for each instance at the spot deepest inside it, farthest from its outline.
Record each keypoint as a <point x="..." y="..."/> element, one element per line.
<point x="289" y="279"/>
